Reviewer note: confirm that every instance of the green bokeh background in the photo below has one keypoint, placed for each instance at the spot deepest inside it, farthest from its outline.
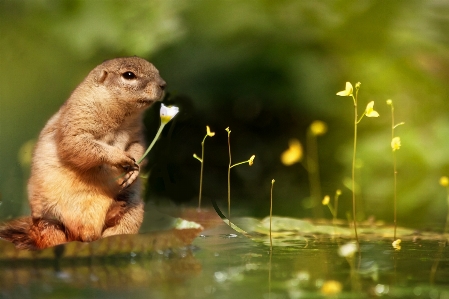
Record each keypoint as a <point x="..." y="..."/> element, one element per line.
<point x="266" y="69"/>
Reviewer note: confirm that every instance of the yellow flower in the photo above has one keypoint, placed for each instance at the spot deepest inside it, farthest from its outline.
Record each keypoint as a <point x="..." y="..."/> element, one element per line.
<point x="318" y="128"/>
<point x="331" y="288"/>
<point x="347" y="92"/>
<point x="396" y="143"/>
<point x="326" y="200"/>
<point x="293" y="154"/>
<point x="167" y="113"/>
<point x="397" y="244"/>
<point x="209" y="133"/>
<point x="444" y="181"/>
<point x="369" y="111"/>
<point x="389" y="102"/>
<point x="251" y="160"/>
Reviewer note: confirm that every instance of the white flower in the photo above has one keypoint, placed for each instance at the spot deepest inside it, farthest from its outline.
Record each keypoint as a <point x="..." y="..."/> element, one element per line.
<point x="167" y="113"/>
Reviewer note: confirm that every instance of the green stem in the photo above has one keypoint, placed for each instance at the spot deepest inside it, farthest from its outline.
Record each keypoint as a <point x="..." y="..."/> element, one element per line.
<point x="353" y="170"/>
<point x="313" y="172"/>
<point x="159" y="131"/>
<point x="336" y="206"/>
<point x="240" y="163"/>
<point x="394" y="175"/>
<point x="201" y="173"/>
<point x="271" y="213"/>
<point x="446" y="229"/>
<point x="229" y="180"/>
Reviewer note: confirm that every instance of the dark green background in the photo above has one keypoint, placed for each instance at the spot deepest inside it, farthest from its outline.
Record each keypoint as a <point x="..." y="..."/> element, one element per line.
<point x="266" y="69"/>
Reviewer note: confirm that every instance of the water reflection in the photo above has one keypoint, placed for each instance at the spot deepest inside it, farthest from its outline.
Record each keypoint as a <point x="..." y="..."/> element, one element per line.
<point x="221" y="266"/>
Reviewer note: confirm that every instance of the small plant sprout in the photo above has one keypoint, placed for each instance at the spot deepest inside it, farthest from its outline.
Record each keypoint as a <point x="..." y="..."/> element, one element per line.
<point x="316" y="128"/>
<point x="166" y="114"/>
<point x="337" y="195"/>
<point x="326" y="202"/>
<point x="271" y="212"/>
<point x="444" y="181"/>
<point x="395" y="145"/>
<point x="250" y="162"/>
<point x="210" y="134"/>
<point x="369" y="112"/>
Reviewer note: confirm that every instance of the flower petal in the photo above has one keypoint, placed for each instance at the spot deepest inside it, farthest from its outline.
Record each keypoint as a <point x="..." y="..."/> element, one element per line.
<point x="396" y="143"/>
<point x="369" y="111"/>
<point x="347" y="92"/>
<point x="209" y="133"/>
<point x="167" y="113"/>
<point x="293" y="154"/>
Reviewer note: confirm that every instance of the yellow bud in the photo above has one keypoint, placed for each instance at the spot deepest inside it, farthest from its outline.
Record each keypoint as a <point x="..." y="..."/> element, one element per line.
<point x="251" y="160"/>
<point x="326" y="200"/>
<point x="318" y="128"/>
<point x="389" y="102"/>
<point x="338" y="192"/>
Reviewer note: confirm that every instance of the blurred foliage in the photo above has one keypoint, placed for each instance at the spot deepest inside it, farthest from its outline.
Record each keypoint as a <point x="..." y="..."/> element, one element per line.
<point x="267" y="70"/>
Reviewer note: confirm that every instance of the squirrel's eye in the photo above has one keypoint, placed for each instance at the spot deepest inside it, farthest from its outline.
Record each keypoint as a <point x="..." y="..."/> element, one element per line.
<point x="129" y="75"/>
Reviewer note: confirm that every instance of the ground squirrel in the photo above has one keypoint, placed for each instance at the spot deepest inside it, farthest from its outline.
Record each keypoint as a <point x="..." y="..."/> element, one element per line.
<point x="84" y="181"/>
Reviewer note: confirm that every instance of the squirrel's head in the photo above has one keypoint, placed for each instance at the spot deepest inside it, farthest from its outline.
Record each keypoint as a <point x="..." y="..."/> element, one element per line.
<point x="130" y="80"/>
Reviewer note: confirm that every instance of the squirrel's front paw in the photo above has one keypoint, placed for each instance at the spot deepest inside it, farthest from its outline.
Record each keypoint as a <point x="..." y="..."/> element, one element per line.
<point x="131" y="174"/>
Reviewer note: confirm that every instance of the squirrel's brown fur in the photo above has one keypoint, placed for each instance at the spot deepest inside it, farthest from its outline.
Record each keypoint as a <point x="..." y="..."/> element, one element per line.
<point x="84" y="181"/>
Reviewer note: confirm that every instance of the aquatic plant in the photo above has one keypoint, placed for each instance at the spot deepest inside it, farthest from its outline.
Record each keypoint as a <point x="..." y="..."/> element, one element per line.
<point x="250" y="162"/>
<point x="210" y="134"/>
<point x="395" y="145"/>
<point x="369" y="112"/>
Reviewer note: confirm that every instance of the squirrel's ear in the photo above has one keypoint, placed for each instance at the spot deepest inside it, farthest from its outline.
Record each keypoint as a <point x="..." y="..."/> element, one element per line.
<point x="101" y="76"/>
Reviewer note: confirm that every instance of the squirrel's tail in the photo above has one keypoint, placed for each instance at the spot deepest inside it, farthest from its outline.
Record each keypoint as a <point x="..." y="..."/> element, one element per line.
<point x="33" y="234"/>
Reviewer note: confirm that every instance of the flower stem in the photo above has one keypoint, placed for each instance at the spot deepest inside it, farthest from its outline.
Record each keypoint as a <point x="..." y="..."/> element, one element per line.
<point x="159" y="131"/>
<point x="313" y="172"/>
<point x="394" y="174"/>
<point x="353" y="169"/>
<point x="240" y="163"/>
<point x="446" y="229"/>
<point x="271" y="213"/>
<point x="201" y="173"/>
<point x="229" y="179"/>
